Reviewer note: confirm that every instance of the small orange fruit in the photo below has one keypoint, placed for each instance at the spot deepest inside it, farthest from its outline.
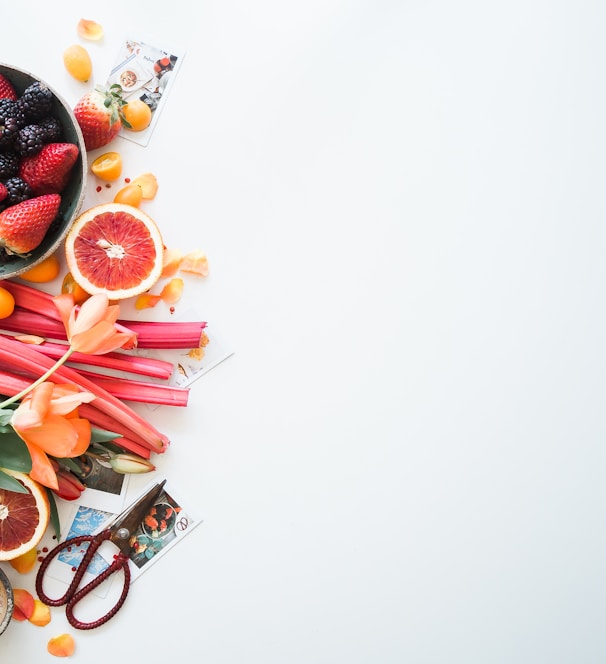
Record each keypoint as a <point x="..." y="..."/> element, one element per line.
<point x="7" y="304"/>
<point x="44" y="271"/>
<point x="108" y="166"/>
<point x="25" y="516"/>
<point x="137" y="114"/>
<point x="132" y="194"/>
<point x="69" y="285"/>
<point x="78" y="62"/>
<point x="115" y="249"/>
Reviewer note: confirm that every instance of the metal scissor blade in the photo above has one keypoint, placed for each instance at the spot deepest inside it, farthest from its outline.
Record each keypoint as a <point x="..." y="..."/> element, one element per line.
<point x="127" y="522"/>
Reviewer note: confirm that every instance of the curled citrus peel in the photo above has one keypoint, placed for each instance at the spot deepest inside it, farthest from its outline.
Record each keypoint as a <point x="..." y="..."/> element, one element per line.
<point x="90" y="30"/>
<point x="195" y="263"/>
<point x="62" y="645"/>
<point x="171" y="259"/>
<point x="149" y="185"/>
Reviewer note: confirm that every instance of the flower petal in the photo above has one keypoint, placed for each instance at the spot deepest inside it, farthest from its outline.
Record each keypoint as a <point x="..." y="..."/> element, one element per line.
<point x="42" y="470"/>
<point x="101" y="338"/>
<point x="89" y="313"/>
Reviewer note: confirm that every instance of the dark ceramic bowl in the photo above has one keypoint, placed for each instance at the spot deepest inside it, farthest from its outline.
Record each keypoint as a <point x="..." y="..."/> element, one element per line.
<point x="72" y="196"/>
<point x="6" y="601"/>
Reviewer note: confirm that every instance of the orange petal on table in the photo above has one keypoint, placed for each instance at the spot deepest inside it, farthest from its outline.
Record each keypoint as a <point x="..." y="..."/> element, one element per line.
<point x="149" y="185"/>
<point x="171" y="260"/>
<point x="173" y="290"/>
<point x="24" y="603"/>
<point x="89" y="29"/>
<point x="195" y="262"/>
<point x="41" y="615"/>
<point x="62" y="645"/>
<point x="147" y="301"/>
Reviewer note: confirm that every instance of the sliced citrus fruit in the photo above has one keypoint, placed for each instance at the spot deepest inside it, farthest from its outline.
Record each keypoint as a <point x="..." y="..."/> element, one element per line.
<point x="23" y="516"/>
<point x="114" y="249"/>
<point x="107" y="166"/>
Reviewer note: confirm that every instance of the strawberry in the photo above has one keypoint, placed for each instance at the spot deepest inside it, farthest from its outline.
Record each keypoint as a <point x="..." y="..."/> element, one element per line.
<point x="7" y="91"/>
<point x="48" y="171"/>
<point x="24" y="225"/>
<point x="99" y="115"/>
<point x="3" y="191"/>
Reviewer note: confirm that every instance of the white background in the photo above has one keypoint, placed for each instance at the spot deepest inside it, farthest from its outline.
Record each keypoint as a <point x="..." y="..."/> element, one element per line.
<point x="403" y="207"/>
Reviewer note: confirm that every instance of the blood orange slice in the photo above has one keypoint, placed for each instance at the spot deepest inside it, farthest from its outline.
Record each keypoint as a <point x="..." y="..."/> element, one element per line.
<point x="114" y="249"/>
<point x="23" y="517"/>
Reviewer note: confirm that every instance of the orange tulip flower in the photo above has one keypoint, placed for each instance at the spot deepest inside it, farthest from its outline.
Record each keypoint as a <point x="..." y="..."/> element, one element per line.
<point x="47" y="421"/>
<point x="91" y="327"/>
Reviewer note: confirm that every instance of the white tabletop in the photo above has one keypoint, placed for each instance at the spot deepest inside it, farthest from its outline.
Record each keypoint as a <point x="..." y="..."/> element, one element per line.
<point x="402" y="204"/>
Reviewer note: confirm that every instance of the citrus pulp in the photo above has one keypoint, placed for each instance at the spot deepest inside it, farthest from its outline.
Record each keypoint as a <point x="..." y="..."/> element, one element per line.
<point x="23" y="516"/>
<point x="115" y="249"/>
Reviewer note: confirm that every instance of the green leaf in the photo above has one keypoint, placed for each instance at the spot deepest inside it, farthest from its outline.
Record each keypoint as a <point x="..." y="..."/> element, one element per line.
<point x="9" y="483"/>
<point x="70" y="464"/>
<point x="14" y="454"/>
<point x="102" y="435"/>
<point x="5" y="416"/>
<point x="54" y="514"/>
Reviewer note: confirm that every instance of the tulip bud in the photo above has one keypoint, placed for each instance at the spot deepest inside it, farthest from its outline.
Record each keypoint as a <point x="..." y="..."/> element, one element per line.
<point x="130" y="463"/>
<point x="70" y="487"/>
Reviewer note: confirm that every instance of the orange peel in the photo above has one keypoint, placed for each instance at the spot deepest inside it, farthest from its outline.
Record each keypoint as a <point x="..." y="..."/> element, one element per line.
<point x="172" y="291"/>
<point x="195" y="262"/>
<point x="90" y="30"/>
<point x="171" y="259"/>
<point x="147" y="301"/>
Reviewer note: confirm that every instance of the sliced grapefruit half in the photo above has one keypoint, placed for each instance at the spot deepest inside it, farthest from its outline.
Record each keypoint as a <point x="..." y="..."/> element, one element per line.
<point x="115" y="249"/>
<point x="24" y="517"/>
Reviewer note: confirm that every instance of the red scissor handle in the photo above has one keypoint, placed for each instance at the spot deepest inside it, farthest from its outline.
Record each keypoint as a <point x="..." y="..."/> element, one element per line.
<point x="72" y="595"/>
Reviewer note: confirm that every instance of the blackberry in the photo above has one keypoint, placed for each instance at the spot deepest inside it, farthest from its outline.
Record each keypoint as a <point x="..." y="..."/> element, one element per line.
<point x="36" y="101"/>
<point x="18" y="191"/>
<point x="52" y="128"/>
<point x="9" y="164"/>
<point x="9" y="129"/>
<point x="9" y="108"/>
<point x="30" y="140"/>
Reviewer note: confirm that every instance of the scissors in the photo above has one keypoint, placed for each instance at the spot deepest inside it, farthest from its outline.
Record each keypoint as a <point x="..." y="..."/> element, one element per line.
<point x="119" y="532"/>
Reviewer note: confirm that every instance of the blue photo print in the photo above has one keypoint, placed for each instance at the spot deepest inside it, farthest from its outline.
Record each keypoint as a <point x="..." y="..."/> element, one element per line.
<point x="86" y="522"/>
